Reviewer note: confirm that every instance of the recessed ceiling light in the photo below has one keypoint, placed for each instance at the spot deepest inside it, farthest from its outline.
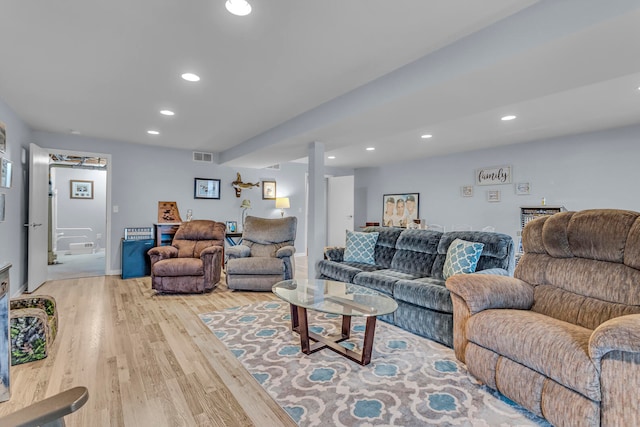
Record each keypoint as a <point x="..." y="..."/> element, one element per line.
<point x="331" y="157"/>
<point x="426" y="136"/>
<point x="74" y="132"/>
<point x="190" y="77"/>
<point x="507" y="118"/>
<point x="153" y="132"/>
<point x="167" y="113"/>
<point x="238" y="7"/>
<point x="370" y="148"/>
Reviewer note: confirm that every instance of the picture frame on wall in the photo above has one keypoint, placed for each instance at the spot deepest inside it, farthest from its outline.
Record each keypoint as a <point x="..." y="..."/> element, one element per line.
<point x="400" y="209"/>
<point x="523" y="188"/>
<point x="206" y="188"/>
<point x="268" y="190"/>
<point x="466" y="191"/>
<point x="81" y="189"/>
<point x="3" y="138"/>
<point x="493" y="196"/>
<point x="5" y="173"/>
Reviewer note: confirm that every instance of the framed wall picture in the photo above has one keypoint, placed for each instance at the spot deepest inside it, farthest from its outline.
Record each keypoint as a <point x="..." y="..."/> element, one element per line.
<point x="493" y="196"/>
<point x="400" y="209"/>
<point x="523" y="188"/>
<point x="268" y="190"/>
<point x="466" y="191"/>
<point x="5" y="173"/>
<point x="3" y="138"/>
<point x="81" y="189"/>
<point x="206" y="188"/>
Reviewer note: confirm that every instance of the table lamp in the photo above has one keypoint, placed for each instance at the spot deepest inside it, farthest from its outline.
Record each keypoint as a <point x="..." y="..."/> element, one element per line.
<point x="282" y="203"/>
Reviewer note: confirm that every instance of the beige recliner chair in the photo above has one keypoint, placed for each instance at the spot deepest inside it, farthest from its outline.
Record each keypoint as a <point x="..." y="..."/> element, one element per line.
<point x="266" y="255"/>
<point x="193" y="262"/>
<point x="562" y="337"/>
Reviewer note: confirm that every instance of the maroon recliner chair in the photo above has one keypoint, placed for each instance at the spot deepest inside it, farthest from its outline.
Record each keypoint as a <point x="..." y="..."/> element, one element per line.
<point x="193" y="262"/>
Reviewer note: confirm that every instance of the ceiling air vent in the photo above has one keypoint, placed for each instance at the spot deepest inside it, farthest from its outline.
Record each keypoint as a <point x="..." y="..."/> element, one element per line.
<point x="274" y="167"/>
<point x="199" y="156"/>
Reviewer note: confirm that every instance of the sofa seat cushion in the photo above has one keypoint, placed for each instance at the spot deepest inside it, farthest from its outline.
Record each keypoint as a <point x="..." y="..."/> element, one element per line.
<point x="343" y="271"/>
<point x="382" y="280"/>
<point x="556" y="349"/>
<point x="255" y="265"/>
<point x="424" y="292"/>
<point x="178" y="267"/>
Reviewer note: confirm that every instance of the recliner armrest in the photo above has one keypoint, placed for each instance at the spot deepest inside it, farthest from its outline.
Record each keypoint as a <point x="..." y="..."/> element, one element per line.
<point x="162" y="252"/>
<point x="485" y="291"/>
<point x="285" y="251"/>
<point x="238" y="251"/>
<point x="620" y="333"/>
<point x="211" y="250"/>
<point x="494" y="271"/>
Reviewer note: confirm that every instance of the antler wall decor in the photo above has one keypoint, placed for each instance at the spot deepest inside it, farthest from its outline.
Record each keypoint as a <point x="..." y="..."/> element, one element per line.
<point x="238" y="185"/>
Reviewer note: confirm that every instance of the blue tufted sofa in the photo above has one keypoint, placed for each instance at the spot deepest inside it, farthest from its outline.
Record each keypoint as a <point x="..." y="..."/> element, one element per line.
<point x="408" y="267"/>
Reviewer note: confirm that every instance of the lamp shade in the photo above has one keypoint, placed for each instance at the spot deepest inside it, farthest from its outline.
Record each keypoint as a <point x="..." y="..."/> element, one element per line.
<point x="282" y="203"/>
<point x="246" y="204"/>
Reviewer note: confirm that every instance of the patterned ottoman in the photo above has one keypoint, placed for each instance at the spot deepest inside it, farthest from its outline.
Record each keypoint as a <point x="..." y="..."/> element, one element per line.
<point x="33" y="325"/>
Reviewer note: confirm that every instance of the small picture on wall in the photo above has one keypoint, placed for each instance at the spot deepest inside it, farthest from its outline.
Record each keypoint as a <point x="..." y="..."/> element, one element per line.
<point x="268" y="190"/>
<point x="466" y="190"/>
<point x="523" y="188"/>
<point x="493" y="195"/>
<point x="81" y="189"/>
<point x="400" y="209"/>
<point x="3" y="138"/>
<point x="5" y="173"/>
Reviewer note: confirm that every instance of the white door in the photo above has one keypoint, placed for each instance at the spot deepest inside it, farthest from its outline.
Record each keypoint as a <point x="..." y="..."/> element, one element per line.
<point x="38" y="216"/>
<point x="340" y="208"/>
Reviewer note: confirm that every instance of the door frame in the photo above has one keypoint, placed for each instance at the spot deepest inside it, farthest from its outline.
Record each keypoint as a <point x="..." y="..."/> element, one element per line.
<point x="107" y="238"/>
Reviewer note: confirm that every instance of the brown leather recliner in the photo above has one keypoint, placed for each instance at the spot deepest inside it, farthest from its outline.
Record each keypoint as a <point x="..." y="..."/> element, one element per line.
<point x="193" y="262"/>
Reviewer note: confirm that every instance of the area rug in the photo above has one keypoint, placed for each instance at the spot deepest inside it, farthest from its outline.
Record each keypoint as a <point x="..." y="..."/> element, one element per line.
<point x="411" y="381"/>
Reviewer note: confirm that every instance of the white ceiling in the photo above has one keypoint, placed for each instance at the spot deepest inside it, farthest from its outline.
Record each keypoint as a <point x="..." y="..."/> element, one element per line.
<point x="347" y="73"/>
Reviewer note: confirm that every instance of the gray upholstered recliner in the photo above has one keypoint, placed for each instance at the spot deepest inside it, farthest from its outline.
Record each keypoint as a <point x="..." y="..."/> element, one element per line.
<point x="193" y="262"/>
<point x="265" y="256"/>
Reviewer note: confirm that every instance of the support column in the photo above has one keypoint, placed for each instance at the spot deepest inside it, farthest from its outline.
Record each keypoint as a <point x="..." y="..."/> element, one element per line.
<point x="317" y="215"/>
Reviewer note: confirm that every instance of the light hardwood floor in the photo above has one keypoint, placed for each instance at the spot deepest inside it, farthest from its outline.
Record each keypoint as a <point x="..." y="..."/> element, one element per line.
<point x="147" y="359"/>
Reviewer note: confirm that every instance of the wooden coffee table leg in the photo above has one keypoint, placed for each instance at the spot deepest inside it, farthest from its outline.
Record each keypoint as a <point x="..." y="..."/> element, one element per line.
<point x="369" y="332"/>
<point x="303" y="330"/>
<point x="294" y="317"/>
<point x="346" y="327"/>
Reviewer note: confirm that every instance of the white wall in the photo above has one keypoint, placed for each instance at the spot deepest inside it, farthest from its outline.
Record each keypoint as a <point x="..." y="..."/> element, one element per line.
<point x="79" y="213"/>
<point x="594" y="170"/>
<point x="143" y="175"/>
<point x="13" y="236"/>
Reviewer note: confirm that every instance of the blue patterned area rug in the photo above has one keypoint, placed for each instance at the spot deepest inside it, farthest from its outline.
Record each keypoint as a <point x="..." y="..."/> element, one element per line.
<point x="410" y="381"/>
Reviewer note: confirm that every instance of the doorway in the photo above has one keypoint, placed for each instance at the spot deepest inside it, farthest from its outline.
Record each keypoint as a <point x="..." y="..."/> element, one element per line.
<point x="77" y="215"/>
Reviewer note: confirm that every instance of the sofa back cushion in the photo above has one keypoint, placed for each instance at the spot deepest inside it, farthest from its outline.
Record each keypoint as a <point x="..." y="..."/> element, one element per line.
<point x="386" y="244"/>
<point x="498" y="250"/>
<point x="416" y="250"/>
<point x="584" y="264"/>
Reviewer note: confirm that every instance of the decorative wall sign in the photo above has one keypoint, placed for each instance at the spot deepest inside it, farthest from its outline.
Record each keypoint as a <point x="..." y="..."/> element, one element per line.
<point x="493" y="175"/>
<point x="168" y="212"/>
<point x="81" y="189"/>
<point x="523" y="188"/>
<point x="466" y="191"/>
<point x="493" y="196"/>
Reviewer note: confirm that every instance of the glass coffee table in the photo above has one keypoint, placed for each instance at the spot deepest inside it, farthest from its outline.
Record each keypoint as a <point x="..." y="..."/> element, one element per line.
<point x="339" y="298"/>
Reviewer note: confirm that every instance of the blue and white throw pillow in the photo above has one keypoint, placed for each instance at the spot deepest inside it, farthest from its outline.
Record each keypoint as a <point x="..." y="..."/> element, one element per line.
<point x="462" y="257"/>
<point x="360" y="247"/>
